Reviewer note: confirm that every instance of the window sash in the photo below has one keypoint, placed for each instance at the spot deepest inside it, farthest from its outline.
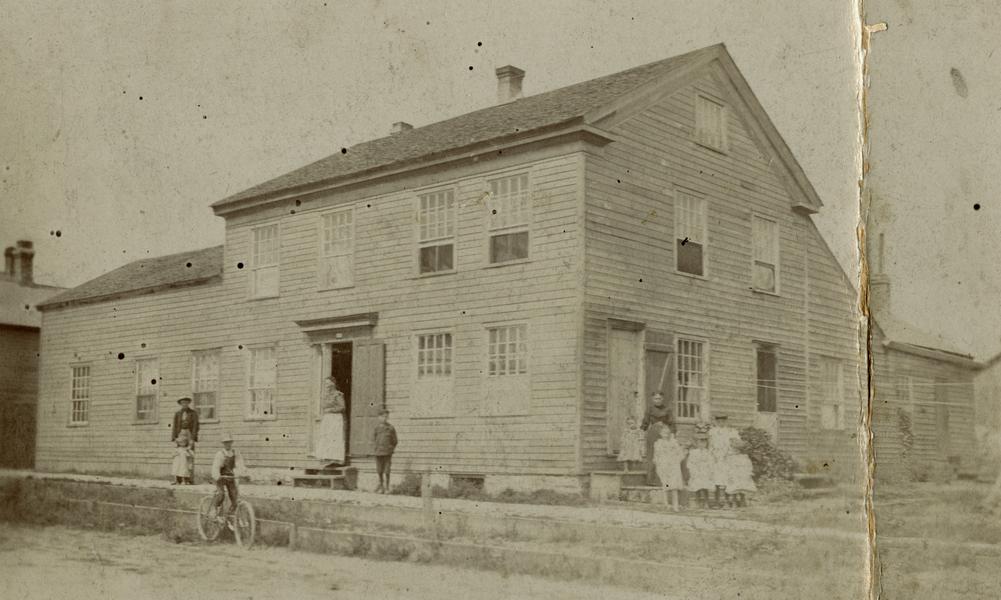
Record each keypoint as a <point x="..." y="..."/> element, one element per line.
<point x="147" y="392"/>
<point x="436" y="216"/>
<point x="832" y="395"/>
<point x="710" y="122"/>
<point x="505" y="247"/>
<point x="80" y="394"/>
<point x="205" y="382"/>
<point x="434" y="355"/>
<point x="766" y="372"/>
<point x="510" y="202"/>
<point x="337" y="249"/>
<point x="690" y="218"/>
<point x="507" y="351"/>
<point x="265" y="252"/>
<point x="437" y="258"/>
<point x="261" y="382"/>
<point x="765" y="249"/>
<point x="691" y="385"/>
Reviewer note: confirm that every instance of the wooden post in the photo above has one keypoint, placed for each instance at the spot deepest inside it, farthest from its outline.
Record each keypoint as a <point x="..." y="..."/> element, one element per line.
<point x="293" y="536"/>
<point x="428" y="502"/>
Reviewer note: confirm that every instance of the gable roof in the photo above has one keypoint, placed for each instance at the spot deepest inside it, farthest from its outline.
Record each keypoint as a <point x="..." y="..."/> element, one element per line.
<point x="896" y="331"/>
<point x="145" y="276"/>
<point x="578" y="104"/>
<point x="19" y="303"/>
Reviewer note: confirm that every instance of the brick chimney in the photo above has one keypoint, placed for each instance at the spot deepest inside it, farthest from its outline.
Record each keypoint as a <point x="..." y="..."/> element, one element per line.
<point x="509" y="83"/>
<point x="18" y="261"/>
<point x="400" y="127"/>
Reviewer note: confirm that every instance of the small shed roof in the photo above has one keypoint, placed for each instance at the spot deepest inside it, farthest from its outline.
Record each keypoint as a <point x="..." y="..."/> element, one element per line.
<point x="145" y="275"/>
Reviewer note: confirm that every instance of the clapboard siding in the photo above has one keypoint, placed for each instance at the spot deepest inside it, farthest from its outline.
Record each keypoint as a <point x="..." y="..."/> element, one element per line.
<point x="541" y="292"/>
<point x="630" y="264"/>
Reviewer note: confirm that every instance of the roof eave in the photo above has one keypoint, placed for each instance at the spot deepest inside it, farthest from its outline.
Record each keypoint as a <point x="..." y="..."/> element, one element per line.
<point x="48" y="306"/>
<point x="964" y="360"/>
<point x="574" y="126"/>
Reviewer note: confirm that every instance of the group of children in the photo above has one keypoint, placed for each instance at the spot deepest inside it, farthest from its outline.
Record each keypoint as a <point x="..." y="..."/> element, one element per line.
<point x="718" y="473"/>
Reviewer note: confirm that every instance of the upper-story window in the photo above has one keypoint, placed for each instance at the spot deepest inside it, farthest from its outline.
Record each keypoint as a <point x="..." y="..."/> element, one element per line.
<point x="710" y="123"/>
<point x="80" y="395"/>
<point x="264" y="264"/>
<point x="436" y="231"/>
<point x="690" y="233"/>
<point x="509" y="217"/>
<point x="337" y="249"/>
<point x="147" y="386"/>
<point x="205" y="382"/>
<point x="765" y="238"/>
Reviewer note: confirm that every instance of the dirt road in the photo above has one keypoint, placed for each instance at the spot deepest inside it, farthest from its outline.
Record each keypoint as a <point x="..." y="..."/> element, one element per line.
<point x="57" y="563"/>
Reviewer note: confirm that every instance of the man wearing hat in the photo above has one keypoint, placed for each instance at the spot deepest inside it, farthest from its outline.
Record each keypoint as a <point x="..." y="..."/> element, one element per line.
<point x="186" y="419"/>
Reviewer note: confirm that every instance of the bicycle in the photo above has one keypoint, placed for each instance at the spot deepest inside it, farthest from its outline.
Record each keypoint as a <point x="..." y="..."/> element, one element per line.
<point x="214" y="517"/>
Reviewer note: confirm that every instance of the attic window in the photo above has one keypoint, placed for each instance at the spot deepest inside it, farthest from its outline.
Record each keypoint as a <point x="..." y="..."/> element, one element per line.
<point x="710" y="123"/>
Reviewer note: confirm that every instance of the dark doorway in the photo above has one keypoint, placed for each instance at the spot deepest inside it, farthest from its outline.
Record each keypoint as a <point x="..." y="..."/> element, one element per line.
<point x="17" y="436"/>
<point x="340" y="368"/>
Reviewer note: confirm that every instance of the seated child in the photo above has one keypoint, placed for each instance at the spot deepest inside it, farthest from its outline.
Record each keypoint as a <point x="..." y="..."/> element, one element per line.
<point x="184" y="459"/>
<point x="632" y="445"/>
<point x="667" y="457"/>
<point x="701" y="472"/>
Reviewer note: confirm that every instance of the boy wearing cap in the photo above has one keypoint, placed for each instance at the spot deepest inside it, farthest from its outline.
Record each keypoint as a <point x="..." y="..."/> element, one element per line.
<point x="225" y="466"/>
<point x="385" y="443"/>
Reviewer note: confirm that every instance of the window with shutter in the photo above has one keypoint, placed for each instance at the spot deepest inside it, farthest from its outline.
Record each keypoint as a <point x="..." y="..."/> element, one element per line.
<point x="690" y="232"/>
<point x="710" y="123"/>
<point x="147" y="382"/>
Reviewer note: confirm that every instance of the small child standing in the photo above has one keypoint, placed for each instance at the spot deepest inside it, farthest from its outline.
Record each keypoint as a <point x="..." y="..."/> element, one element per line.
<point x="701" y="472"/>
<point x="184" y="458"/>
<point x="632" y="445"/>
<point x="385" y="440"/>
<point x="667" y="457"/>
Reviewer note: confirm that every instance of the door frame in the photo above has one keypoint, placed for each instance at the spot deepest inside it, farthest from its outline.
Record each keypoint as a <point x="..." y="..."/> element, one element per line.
<point x="637" y="328"/>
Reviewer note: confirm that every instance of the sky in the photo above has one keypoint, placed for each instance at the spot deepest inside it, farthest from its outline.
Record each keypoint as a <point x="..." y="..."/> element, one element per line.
<point x="124" y="120"/>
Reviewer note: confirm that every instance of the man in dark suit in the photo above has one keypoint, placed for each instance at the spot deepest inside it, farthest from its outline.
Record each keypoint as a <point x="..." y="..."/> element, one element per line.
<point x="185" y="419"/>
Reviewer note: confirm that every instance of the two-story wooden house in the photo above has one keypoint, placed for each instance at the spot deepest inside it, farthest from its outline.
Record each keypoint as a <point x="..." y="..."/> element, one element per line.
<point x="510" y="283"/>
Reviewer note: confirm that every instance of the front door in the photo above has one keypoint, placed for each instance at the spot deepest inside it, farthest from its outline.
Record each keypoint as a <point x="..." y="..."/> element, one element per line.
<point x="623" y="382"/>
<point x="340" y="368"/>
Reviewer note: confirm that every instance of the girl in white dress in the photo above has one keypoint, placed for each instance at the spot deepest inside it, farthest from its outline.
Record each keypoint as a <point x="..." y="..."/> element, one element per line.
<point x="701" y="472"/>
<point x="182" y="468"/>
<point x="631" y="447"/>
<point x="667" y="457"/>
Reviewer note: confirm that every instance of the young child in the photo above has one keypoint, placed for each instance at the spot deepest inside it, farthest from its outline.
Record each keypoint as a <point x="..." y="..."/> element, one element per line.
<point x="631" y="446"/>
<point x="701" y="475"/>
<point x="184" y="459"/>
<point x="739" y="471"/>
<point x="667" y="457"/>
<point x="385" y="443"/>
<point x="225" y="468"/>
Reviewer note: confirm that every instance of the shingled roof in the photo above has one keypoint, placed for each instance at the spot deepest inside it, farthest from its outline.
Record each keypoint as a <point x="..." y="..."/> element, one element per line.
<point x="510" y="120"/>
<point x="144" y="276"/>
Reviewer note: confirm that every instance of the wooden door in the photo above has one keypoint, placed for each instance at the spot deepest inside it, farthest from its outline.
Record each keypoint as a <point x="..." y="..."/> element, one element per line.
<point x="623" y="382"/>
<point x="368" y="394"/>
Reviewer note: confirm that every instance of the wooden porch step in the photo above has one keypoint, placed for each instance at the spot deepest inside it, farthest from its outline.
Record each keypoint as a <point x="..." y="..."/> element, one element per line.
<point x="312" y="480"/>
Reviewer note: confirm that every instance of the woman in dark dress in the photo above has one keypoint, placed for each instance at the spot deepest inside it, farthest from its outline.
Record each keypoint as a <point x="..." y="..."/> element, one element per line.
<point x="657" y="416"/>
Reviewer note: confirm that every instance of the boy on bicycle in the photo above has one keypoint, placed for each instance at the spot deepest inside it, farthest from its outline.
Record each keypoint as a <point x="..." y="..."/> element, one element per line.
<point x="225" y="466"/>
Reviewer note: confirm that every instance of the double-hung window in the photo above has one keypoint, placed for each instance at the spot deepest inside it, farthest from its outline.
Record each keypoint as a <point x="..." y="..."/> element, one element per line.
<point x="710" y="123"/>
<point x="436" y="232"/>
<point x="434" y="384"/>
<point x="508" y="389"/>
<point x="147" y="386"/>
<point x="691" y="391"/>
<point x="832" y="404"/>
<point x="765" y="240"/>
<point x="767" y="381"/>
<point x="690" y="233"/>
<point x="262" y="378"/>
<point x="510" y="216"/>
<point x="264" y="263"/>
<point x="80" y="395"/>
<point x="337" y="249"/>
<point x="205" y="383"/>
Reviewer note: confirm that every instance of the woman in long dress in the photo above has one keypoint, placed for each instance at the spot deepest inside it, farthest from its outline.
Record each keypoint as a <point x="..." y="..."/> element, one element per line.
<point x="330" y="436"/>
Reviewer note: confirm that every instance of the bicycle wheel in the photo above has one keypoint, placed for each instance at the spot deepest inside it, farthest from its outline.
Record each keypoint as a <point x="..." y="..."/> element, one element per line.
<point x="245" y="524"/>
<point x="209" y="524"/>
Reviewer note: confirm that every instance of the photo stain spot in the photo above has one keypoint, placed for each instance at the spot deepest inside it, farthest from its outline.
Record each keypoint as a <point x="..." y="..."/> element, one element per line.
<point x="142" y="345"/>
<point x="121" y="356"/>
<point x="344" y="150"/>
<point x="239" y="265"/>
<point x="59" y="233"/>
<point x="240" y="347"/>
<point x="684" y="241"/>
<point x="205" y="116"/>
<point x="976" y="206"/>
<point x="959" y="82"/>
<point x="479" y="43"/>
<point x="291" y="212"/>
<point x="188" y="265"/>
<point x="470" y="67"/>
<point x="27" y="307"/>
<point x="140" y="97"/>
<point x="298" y="202"/>
<point x="152" y="381"/>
